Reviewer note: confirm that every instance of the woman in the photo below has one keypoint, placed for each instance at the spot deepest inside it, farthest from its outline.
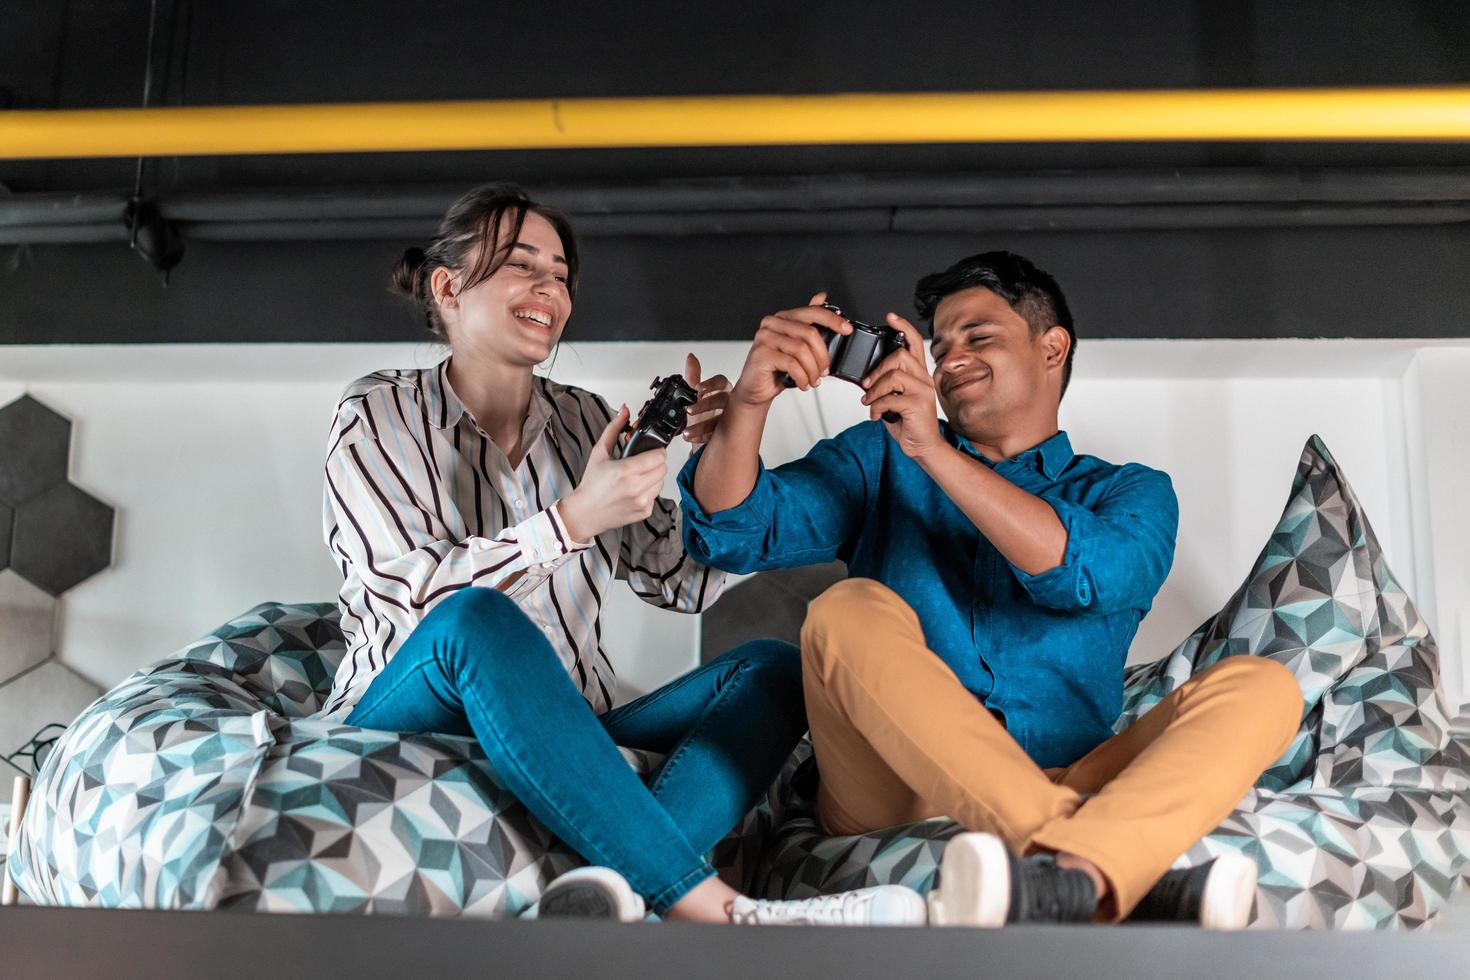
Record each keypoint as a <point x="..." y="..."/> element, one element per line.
<point x="479" y="518"/>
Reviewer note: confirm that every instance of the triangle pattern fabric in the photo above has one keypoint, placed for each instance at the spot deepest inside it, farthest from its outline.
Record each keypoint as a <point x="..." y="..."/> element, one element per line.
<point x="203" y="781"/>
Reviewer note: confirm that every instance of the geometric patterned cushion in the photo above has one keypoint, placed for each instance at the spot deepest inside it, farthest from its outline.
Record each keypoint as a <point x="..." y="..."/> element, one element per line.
<point x="1322" y="601"/>
<point x="286" y="655"/>
<point x="201" y="782"/>
<point x="138" y="798"/>
<point x="1364" y="821"/>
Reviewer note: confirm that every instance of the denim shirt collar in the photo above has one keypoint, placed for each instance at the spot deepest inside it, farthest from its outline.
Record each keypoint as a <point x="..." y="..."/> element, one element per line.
<point x="1049" y="457"/>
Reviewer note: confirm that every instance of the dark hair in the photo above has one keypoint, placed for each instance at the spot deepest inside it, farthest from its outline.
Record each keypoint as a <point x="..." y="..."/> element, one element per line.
<point x="1031" y="292"/>
<point x="470" y="221"/>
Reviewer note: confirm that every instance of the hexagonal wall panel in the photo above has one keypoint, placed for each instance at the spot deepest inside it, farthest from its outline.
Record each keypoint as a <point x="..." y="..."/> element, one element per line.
<point x="27" y="621"/>
<point x="50" y="693"/>
<point x="62" y="536"/>
<point x="34" y="444"/>
<point x="7" y="524"/>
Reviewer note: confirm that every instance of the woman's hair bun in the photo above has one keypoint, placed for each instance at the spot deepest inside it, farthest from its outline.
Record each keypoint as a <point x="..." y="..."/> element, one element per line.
<point x="406" y="272"/>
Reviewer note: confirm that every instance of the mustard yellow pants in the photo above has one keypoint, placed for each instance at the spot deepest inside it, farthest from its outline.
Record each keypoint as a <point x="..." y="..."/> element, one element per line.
<point x="899" y="739"/>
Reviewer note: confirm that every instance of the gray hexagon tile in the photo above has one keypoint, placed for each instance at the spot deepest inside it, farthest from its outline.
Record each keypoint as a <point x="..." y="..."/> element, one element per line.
<point x="7" y="524"/>
<point x="34" y="446"/>
<point x="50" y="693"/>
<point x="27" y="626"/>
<point x="62" y="536"/>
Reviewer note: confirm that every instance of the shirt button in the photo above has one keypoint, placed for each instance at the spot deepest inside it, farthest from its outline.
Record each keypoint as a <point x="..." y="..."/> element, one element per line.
<point x="549" y="631"/>
<point x="519" y="502"/>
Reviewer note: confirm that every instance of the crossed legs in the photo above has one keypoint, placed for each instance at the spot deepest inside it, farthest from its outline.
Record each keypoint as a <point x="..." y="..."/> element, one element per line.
<point x="898" y="739"/>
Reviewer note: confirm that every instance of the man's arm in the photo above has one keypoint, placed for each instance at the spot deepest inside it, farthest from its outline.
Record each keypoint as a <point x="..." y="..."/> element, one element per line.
<point x="1023" y="527"/>
<point x="785" y="345"/>
<point x="1108" y="557"/>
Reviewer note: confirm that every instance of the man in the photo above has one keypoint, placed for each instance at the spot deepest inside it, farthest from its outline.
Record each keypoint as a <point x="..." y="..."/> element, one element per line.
<point x="972" y="667"/>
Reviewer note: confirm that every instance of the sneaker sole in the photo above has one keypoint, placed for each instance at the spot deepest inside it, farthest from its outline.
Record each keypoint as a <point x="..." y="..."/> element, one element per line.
<point x="580" y="902"/>
<point x="975" y="883"/>
<point x="1230" y="893"/>
<point x="580" y="895"/>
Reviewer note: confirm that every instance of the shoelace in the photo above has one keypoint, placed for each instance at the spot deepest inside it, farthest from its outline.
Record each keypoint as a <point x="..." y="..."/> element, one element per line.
<point x="810" y="911"/>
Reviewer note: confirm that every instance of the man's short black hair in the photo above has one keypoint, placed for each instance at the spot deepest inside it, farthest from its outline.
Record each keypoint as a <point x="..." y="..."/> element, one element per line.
<point x="1032" y="293"/>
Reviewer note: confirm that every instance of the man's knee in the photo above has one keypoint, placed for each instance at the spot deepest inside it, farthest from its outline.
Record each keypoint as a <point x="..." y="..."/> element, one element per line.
<point x="1272" y="689"/>
<point x="846" y="610"/>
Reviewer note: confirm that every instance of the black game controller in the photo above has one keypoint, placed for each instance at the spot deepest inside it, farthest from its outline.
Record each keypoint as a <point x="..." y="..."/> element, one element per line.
<point x="852" y="357"/>
<point x="660" y="419"/>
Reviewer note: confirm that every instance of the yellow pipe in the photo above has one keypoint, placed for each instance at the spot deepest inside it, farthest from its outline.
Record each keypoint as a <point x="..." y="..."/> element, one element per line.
<point x="1361" y="114"/>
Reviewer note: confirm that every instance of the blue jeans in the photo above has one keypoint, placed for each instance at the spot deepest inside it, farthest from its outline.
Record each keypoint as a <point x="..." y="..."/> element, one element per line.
<point x="478" y="666"/>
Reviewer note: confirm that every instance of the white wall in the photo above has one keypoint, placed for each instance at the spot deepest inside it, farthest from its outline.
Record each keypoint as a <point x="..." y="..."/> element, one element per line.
<point x="212" y="456"/>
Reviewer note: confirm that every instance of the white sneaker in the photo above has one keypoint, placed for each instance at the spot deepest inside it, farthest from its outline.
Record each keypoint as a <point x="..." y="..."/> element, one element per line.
<point x="974" y="883"/>
<point x="1230" y="893"/>
<point x="1216" y="895"/>
<point x="981" y="883"/>
<point x="590" y="893"/>
<point x="881" y="905"/>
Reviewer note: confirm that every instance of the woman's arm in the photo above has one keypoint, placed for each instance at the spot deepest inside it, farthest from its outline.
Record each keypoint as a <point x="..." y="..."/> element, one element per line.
<point x="652" y="558"/>
<point x="392" y="533"/>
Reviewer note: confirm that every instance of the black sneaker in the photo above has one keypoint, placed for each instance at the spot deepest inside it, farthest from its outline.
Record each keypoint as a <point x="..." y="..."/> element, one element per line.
<point x="590" y="893"/>
<point x="1217" y="895"/>
<point x="981" y="883"/>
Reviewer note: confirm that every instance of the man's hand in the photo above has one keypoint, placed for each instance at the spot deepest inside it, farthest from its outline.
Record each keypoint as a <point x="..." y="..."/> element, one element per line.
<point x="613" y="492"/>
<point x="787" y="345"/>
<point x="901" y="383"/>
<point x="714" y="395"/>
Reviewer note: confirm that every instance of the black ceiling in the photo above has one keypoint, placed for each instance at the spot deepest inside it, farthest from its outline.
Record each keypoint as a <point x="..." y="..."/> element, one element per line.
<point x="1198" y="273"/>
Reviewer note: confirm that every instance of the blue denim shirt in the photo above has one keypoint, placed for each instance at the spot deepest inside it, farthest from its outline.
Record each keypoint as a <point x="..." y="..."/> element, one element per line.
<point x="1045" y="651"/>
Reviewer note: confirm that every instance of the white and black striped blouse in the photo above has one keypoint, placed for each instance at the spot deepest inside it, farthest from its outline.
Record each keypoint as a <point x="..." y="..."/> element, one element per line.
<point x="420" y="503"/>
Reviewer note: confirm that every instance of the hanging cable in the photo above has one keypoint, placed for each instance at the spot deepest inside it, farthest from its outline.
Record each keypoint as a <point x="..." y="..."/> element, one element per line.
<point x="149" y="234"/>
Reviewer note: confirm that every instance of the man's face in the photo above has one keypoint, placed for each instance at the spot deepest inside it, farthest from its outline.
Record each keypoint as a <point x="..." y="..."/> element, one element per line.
<point x="988" y="370"/>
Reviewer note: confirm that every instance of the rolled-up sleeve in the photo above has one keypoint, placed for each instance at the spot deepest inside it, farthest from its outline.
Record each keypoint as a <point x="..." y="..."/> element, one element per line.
<point x="1119" y="550"/>
<point x="799" y="513"/>
<point x="659" y="570"/>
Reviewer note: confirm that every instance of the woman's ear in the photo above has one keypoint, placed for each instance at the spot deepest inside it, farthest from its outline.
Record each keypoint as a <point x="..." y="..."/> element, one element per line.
<point x="443" y="288"/>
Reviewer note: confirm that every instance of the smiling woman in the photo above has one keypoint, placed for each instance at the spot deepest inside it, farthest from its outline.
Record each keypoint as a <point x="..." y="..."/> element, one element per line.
<point x="480" y="519"/>
<point x="468" y="252"/>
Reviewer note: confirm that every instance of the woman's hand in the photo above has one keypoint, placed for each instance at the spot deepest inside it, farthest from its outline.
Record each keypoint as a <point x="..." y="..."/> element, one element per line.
<point x="902" y="384"/>
<point x="613" y="492"/>
<point x="714" y="395"/>
<point x="787" y="345"/>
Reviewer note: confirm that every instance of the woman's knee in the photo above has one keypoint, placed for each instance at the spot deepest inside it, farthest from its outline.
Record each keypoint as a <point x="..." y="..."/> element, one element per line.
<point x="775" y="658"/>
<point x="479" y="622"/>
<point x="473" y="608"/>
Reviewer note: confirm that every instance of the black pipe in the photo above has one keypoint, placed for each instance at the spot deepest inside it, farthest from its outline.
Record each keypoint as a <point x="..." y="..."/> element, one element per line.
<point x="1164" y="217"/>
<point x="60" y="209"/>
<point x="857" y="221"/>
<point x="839" y="191"/>
<point x="817" y="204"/>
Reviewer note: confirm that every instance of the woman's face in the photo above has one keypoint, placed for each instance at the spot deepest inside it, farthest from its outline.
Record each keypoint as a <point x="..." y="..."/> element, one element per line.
<point x="519" y="313"/>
